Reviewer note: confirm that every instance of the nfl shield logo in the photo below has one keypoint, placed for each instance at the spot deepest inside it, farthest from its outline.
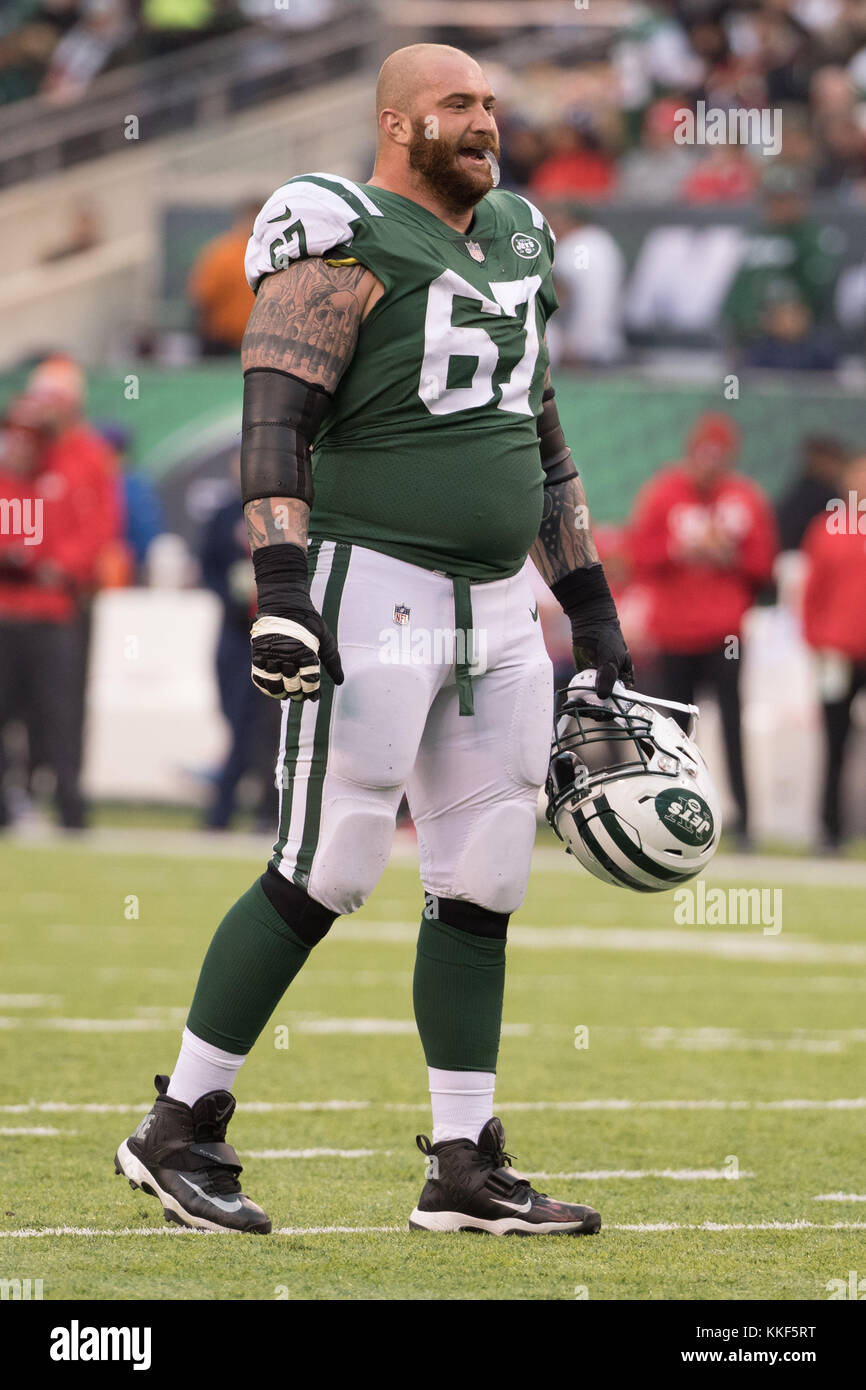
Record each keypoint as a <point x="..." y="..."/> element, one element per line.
<point x="401" y="614"/>
<point x="475" y="250"/>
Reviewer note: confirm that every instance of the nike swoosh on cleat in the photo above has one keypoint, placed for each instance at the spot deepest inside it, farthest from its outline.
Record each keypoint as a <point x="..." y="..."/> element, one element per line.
<point x="526" y="1206"/>
<point x="234" y="1205"/>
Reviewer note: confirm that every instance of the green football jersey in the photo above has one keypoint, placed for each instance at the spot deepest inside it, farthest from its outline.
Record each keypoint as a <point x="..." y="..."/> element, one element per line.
<point x="430" y="451"/>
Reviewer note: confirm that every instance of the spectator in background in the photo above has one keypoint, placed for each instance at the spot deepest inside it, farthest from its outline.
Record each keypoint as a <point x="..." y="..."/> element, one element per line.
<point x="654" y="172"/>
<point x="726" y="174"/>
<point x="142" y="507"/>
<point x="83" y="52"/>
<point x="786" y="249"/>
<point x="84" y="233"/>
<point x="218" y="287"/>
<point x="79" y="463"/>
<point x="48" y="556"/>
<point x="590" y="275"/>
<point x="789" y="341"/>
<point x="834" y="623"/>
<point x="28" y="38"/>
<point x="703" y="539"/>
<point x="575" y="163"/>
<point x="253" y="721"/>
<point x="822" y="463"/>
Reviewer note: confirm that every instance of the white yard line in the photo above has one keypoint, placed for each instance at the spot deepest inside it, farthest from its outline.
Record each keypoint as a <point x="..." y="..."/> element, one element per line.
<point x="373" y="1027"/>
<point x="677" y="1174"/>
<point x="34" y="1132"/>
<point x="138" y="840"/>
<point x="276" y="1107"/>
<point x="643" y="1228"/>
<point x="840" y="1197"/>
<point x="29" y="1001"/>
<point x="747" y="944"/>
<point x="89" y="1025"/>
<point x="315" y="1153"/>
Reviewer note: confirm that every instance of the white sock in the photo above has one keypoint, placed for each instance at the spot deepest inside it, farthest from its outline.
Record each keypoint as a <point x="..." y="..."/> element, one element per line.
<point x="200" y="1068"/>
<point x="462" y="1103"/>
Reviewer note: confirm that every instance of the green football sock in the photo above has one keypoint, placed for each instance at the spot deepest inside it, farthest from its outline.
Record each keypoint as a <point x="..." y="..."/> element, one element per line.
<point x="458" y="988"/>
<point x="252" y="960"/>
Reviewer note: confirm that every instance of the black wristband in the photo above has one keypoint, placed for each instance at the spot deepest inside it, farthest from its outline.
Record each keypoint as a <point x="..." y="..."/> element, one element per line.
<point x="279" y="569"/>
<point x="585" y="593"/>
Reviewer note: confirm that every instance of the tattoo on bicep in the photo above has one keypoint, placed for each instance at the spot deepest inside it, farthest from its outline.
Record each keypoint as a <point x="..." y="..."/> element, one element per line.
<point x="564" y="541"/>
<point x="305" y="320"/>
<point x="277" y="521"/>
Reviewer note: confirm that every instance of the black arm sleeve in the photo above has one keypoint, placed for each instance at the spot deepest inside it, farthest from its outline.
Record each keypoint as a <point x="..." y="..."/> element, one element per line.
<point x="556" y="457"/>
<point x="282" y="415"/>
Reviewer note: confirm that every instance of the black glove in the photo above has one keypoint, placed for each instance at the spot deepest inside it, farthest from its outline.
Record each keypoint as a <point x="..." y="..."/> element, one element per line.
<point x="595" y="631"/>
<point x="289" y="638"/>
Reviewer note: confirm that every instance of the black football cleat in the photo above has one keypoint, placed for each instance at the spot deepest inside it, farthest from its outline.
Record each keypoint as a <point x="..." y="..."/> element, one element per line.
<point x="472" y="1187"/>
<point x="178" y="1154"/>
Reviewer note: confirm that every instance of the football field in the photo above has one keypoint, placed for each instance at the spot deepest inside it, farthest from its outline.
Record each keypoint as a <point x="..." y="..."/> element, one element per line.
<point x="703" y="1085"/>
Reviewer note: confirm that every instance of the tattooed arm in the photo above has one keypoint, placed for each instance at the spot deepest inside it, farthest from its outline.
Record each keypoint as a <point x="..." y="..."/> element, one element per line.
<point x="565" y="556"/>
<point x="305" y="321"/>
<point x="300" y="338"/>
<point x="564" y="541"/>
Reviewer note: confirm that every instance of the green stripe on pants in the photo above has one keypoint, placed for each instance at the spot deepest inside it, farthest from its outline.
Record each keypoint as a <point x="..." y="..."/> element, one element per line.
<point x="290" y="750"/>
<point x="321" y="733"/>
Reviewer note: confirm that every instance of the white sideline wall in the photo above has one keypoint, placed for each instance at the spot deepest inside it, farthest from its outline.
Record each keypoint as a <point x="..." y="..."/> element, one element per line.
<point x="153" y="719"/>
<point x="154" y="725"/>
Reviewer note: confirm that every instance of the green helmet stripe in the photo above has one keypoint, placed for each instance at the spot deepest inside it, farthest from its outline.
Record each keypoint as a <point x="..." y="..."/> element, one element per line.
<point x="631" y="851"/>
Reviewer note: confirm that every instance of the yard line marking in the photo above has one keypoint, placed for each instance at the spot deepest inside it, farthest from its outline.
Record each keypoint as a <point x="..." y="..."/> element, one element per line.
<point x="315" y="1153"/>
<point x="91" y="1025"/>
<point x="372" y="1027"/>
<point x="277" y="1107"/>
<point x="713" y="1226"/>
<point x="840" y="1197"/>
<point x="175" y="1231"/>
<point x="29" y="1001"/>
<point x="642" y="1228"/>
<point x="726" y="945"/>
<point x="36" y="1131"/>
<point x="143" y="840"/>
<point x="678" y="1174"/>
<point x="382" y="1026"/>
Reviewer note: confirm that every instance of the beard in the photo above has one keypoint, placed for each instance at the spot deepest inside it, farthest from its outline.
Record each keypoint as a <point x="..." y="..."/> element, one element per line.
<point x="437" y="162"/>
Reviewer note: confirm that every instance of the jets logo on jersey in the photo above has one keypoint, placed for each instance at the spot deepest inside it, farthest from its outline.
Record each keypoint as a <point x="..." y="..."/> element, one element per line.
<point x="525" y="245"/>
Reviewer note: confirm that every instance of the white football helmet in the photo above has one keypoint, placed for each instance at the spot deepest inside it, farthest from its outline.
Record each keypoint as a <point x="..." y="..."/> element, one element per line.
<point x="648" y="820"/>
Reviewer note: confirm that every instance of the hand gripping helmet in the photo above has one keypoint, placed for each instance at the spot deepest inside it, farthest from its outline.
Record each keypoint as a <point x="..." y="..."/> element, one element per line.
<point x="627" y="791"/>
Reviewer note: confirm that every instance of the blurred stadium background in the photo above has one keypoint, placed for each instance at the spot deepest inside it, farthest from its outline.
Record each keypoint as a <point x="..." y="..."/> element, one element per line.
<point x="136" y="135"/>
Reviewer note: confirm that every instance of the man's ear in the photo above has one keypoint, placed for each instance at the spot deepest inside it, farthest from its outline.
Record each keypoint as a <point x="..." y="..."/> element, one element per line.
<point x="396" y="125"/>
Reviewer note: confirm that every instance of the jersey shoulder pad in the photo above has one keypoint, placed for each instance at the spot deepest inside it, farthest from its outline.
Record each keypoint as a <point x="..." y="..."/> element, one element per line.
<point x="308" y="216"/>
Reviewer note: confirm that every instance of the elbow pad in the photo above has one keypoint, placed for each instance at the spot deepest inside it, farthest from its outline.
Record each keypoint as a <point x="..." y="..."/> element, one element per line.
<point x="282" y="415"/>
<point x="556" y="457"/>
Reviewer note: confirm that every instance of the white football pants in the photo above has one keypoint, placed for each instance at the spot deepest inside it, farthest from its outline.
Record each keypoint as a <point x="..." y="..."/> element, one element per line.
<point x="471" y="780"/>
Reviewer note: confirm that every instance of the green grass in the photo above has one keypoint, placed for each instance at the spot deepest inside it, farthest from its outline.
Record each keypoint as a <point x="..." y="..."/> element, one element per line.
<point x="753" y="1031"/>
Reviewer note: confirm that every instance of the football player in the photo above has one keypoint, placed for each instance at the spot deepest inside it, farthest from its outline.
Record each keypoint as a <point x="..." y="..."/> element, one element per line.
<point x="401" y="455"/>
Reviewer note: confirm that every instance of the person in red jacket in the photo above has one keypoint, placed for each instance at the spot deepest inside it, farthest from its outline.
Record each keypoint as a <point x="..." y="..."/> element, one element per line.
<point x="703" y="539"/>
<point x="59" y="507"/>
<point x="834" y="624"/>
